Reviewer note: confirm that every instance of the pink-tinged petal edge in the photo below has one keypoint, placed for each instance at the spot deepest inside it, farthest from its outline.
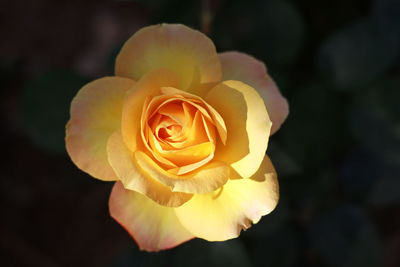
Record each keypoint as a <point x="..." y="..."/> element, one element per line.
<point x="247" y="69"/>
<point x="95" y="114"/>
<point x="152" y="226"/>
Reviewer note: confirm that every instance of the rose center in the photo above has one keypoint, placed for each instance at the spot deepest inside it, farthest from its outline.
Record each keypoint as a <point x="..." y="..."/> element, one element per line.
<point x="170" y="133"/>
<point x="178" y="132"/>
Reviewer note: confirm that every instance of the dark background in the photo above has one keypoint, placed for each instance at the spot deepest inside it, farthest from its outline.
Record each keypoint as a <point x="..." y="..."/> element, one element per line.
<point x="337" y="155"/>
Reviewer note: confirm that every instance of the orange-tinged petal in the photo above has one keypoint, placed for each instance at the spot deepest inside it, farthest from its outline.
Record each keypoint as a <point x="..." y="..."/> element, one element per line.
<point x="154" y="147"/>
<point x="95" y="115"/>
<point x="154" y="227"/>
<point x="188" y="155"/>
<point x="248" y="126"/>
<point x="245" y="68"/>
<point x="172" y="94"/>
<point x="206" y="179"/>
<point x="197" y="147"/>
<point x="210" y="131"/>
<point x="173" y="46"/>
<point x="135" y="178"/>
<point x="149" y="85"/>
<point x="222" y="214"/>
<point x="192" y="166"/>
<point x="214" y="115"/>
<point x="184" y="113"/>
<point x="175" y="132"/>
<point x="173" y="110"/>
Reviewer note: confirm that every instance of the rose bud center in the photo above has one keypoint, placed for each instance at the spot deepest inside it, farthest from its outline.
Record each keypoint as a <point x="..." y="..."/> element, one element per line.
<point x="178" y="132"/>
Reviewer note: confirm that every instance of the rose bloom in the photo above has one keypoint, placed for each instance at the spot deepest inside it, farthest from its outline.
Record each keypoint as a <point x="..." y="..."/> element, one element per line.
<point x="184" y="132"/>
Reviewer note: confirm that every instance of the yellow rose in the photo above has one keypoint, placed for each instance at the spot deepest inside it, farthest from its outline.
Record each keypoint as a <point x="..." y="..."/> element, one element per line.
<point x="184" y="132"/>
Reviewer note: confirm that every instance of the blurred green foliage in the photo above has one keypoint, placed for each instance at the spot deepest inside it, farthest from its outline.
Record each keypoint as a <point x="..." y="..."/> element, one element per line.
<point x="45" y="103"/>
<point x="346" y="237"/>
<point x="356" y="55"/>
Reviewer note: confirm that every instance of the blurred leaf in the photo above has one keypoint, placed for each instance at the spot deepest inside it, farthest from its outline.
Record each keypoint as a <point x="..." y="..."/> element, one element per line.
<point x="45" y="107"/>
<point x="202" y="253"/>
<point x="131" y="256"/>
<point x="358" y="173"/>
<point x="145" y="2"/>
<point x="376" y="132"/>
<point x="176" y="11"/>
<point x="389" y="95"/>
<point x="272" y="30"/>
<point x="346" y="237"/>
<point x="321" y="188"/>
<point x="8" y="70"/>
<point x="127" y="257"/>
<point x="280" y="32"/>
<point x="283" y="163"/>
<point x="314" y="128"/>
<point x="374" y="121"/>
<point x="277" y="249"/>
<point x="356" y="55"/>
<point x="387" y="190"/>
<point x="386" y="14"/>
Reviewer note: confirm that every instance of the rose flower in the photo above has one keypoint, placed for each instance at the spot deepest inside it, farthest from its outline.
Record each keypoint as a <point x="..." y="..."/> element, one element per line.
<point x="184" y="132"/>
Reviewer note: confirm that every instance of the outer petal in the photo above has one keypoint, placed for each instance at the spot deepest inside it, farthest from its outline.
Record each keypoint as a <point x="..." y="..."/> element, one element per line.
<point x="134" y="178"/>
<point x="149" y="85"/>
<point x="95" y="115"/>
<point x="245" y="68"/>
<point x="173" y="46"/>
<point x="221" y="215"/>
<point x="206" y="179"/>
<point x="247" y="122"/>
<point x="153" y="226"/>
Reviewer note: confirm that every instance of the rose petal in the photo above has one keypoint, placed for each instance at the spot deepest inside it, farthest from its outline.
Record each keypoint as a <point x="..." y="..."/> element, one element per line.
<point x="134" y="178"/>
<point x="182" y="112"/>
<point x="222" y="214"/>
<point x="149" y="85"/>
<point x="216" y="117"/>
<point x="173" y="46"/>
<point x="95" y="115"/>
<point x="206" y="179"/>
<point x="173" y="110"/>
<point x="195" y="130"/>
<point x="245" y="68"/>
<point x="198" y="146"/>
<point x="248" y="126"/>
<point x="154" y="227"/>
<point x="187" y="155"/>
